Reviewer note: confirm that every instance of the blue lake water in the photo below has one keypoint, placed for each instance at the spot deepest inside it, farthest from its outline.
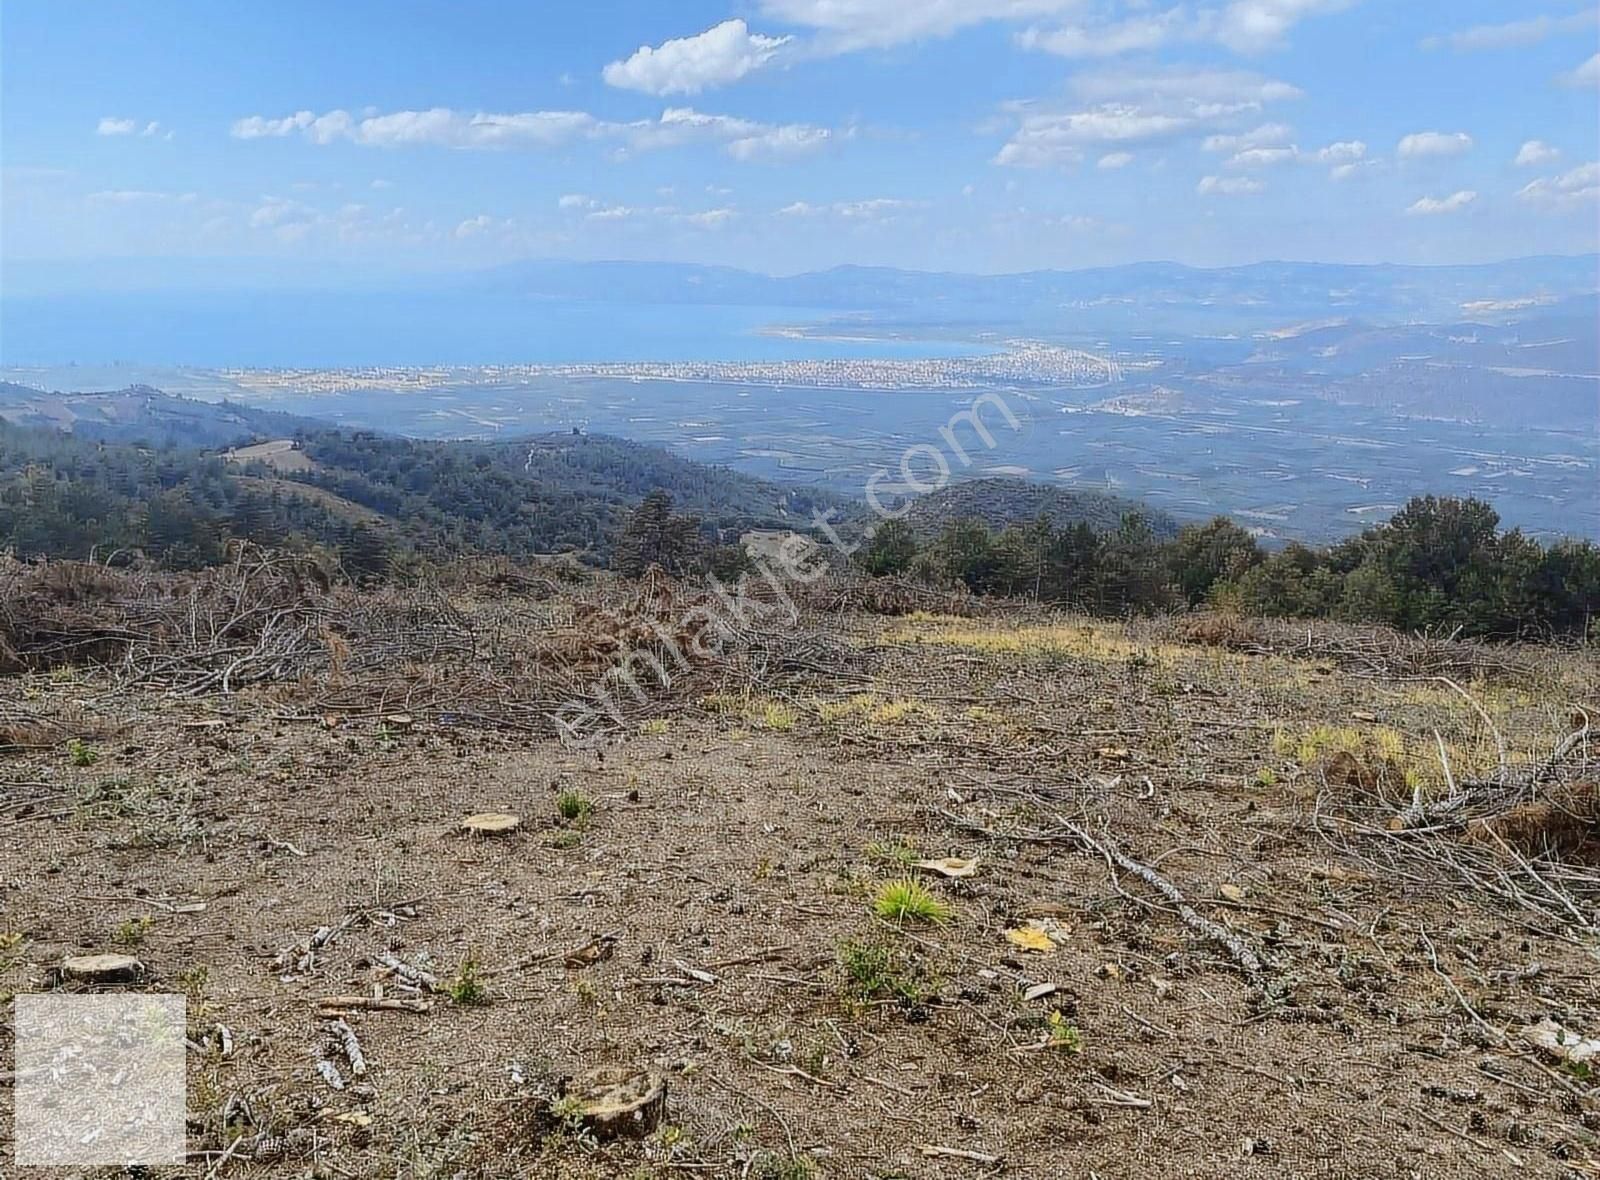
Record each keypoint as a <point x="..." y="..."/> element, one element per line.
<point x="285" y="329"/>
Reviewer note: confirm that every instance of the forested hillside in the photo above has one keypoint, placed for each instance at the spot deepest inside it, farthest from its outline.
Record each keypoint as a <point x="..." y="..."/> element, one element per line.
<point x="375" y="499"/>
<point x="998" y="501"/>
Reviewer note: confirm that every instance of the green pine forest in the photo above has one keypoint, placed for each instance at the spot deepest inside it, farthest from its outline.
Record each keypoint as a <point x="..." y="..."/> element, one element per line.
<point x="373" y="506"/>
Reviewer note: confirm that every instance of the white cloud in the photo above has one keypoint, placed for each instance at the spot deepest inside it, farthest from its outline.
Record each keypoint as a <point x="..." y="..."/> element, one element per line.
<point x="1354" y="168"/>
<point x="576" y="201"/>
<point x="1134" y="107"/>
<point x="1245" y="26"/>
<point x="381" y="183"/>
<point x="1512" y="33"/>
<point x="1574" y="188"/>
<point x="1534" y="153"/>
<point x="1228" y="186"/>
<point x="1264" y="157"/>
<point x="114" y="126"/>
<point x="1253" y="26"/>
<point x="871" y="209"/>
<point x="127" y="196"/>
<point x="711" y="218"/>
<point x="1266" y="135"/>
<point x="1585" y="76"/>
<point x="1113" y="160"/>
<point x="687" y="65"/>
<point x="1433" y="143"/>
<point x="1454" y="203"/>
<point x="743" y="139"/>
<point x="473" y="226"/>
<point x="1045" y="139"/>
<point x="1199" y="90"/>
<point x="845" y="25"/>
<point x="1106" y="40"/>
<point x="1345" y="151"/>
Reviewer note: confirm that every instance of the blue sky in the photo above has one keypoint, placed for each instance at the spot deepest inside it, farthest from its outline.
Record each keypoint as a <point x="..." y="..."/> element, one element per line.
<point x="163" y="140"/>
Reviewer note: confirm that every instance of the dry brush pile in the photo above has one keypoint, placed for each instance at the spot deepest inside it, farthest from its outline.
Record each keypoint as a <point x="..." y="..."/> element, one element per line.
<point x="491" y="647"/>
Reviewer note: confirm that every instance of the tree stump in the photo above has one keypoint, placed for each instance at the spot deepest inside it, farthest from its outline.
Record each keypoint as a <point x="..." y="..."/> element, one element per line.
<point x="491" y="823"/>
<point x="107" y="968"/>
<point x="618" y="1101"/>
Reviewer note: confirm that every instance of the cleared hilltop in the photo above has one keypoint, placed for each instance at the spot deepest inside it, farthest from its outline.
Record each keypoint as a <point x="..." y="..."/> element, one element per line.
<point x="1202" y="897"/>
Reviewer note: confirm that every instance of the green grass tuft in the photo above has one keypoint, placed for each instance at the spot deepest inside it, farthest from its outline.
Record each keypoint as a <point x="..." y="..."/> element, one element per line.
<point x="909" y="900"/>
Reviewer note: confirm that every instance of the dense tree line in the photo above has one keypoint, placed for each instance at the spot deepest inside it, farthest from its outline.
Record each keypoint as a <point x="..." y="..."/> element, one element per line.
<point x="374" y="505"/>
<point x="371" y="503"/>
<point x="1440" y="564"/>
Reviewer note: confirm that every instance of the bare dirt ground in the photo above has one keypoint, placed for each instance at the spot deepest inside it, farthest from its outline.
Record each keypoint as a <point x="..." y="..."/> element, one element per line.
<point x="721" y="863"/>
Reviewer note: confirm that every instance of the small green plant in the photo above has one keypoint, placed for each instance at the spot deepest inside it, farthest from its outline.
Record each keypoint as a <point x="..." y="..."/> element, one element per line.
<point x="1064" y="1035"/>
<point x="573" y="805"/>
<point x="1266" y="777"/>
<point x="81" y="753"/>
<point x="875" y="972"/>
<point x="655" y="727"/>
<point x="909" y="900"/>
<point x="132" y="932"/>
<point x="778" y="716"/>
<point x="771" y="1166"/>
<point x="192" y="983"/>
<point x="466" y="987"/>
<point x="899" y="851"/>
<point x="564" y="839"/>
<point x="10" y="948"/>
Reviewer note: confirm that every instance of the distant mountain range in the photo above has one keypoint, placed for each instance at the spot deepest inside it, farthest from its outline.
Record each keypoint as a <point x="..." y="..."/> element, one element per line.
<point x="1277" y="291"/>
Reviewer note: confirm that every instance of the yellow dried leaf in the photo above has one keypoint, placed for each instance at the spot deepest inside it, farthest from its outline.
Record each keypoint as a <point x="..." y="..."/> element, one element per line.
<point x="1231" y="892"/>
<point x="1030" y="938"/>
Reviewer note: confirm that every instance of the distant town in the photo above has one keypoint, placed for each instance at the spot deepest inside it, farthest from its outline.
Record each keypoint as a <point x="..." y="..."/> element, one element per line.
<point x="1025" y="361"/>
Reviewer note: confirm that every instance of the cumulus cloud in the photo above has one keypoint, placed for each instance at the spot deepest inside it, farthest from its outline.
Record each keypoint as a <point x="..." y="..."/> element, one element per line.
<point x="1535" y="152"/>
<point x="1529" y="31"/>
<point x="743" y="139"/>
<point x="1106" y="40"/>
<point x="1585" y="76"/>
<point x="1133" y="107"/>
<point x="844" y="25"/>
<point x="474" y="226"/>
<point x="1245" y="26"/>
<point x="1354" y="168"/>
<point x="687" y="65"/>
<point x="871" y="209"/>
<point x="1264" y="157"/>
<point x="1345" y="151"/>
<point x="1573" y="189"/>
<point x="1433" y="143"/>
<point x="601" y="212"/>
<point x="114" y="126"/>
<point x="1254" y="26"/>
<point x="1266" y="135"/>
<point x="1114" y="160"/>
<point x="1228" y="186"/>
<point x="1454" y="203"/>
<point x="711" y="218"/>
